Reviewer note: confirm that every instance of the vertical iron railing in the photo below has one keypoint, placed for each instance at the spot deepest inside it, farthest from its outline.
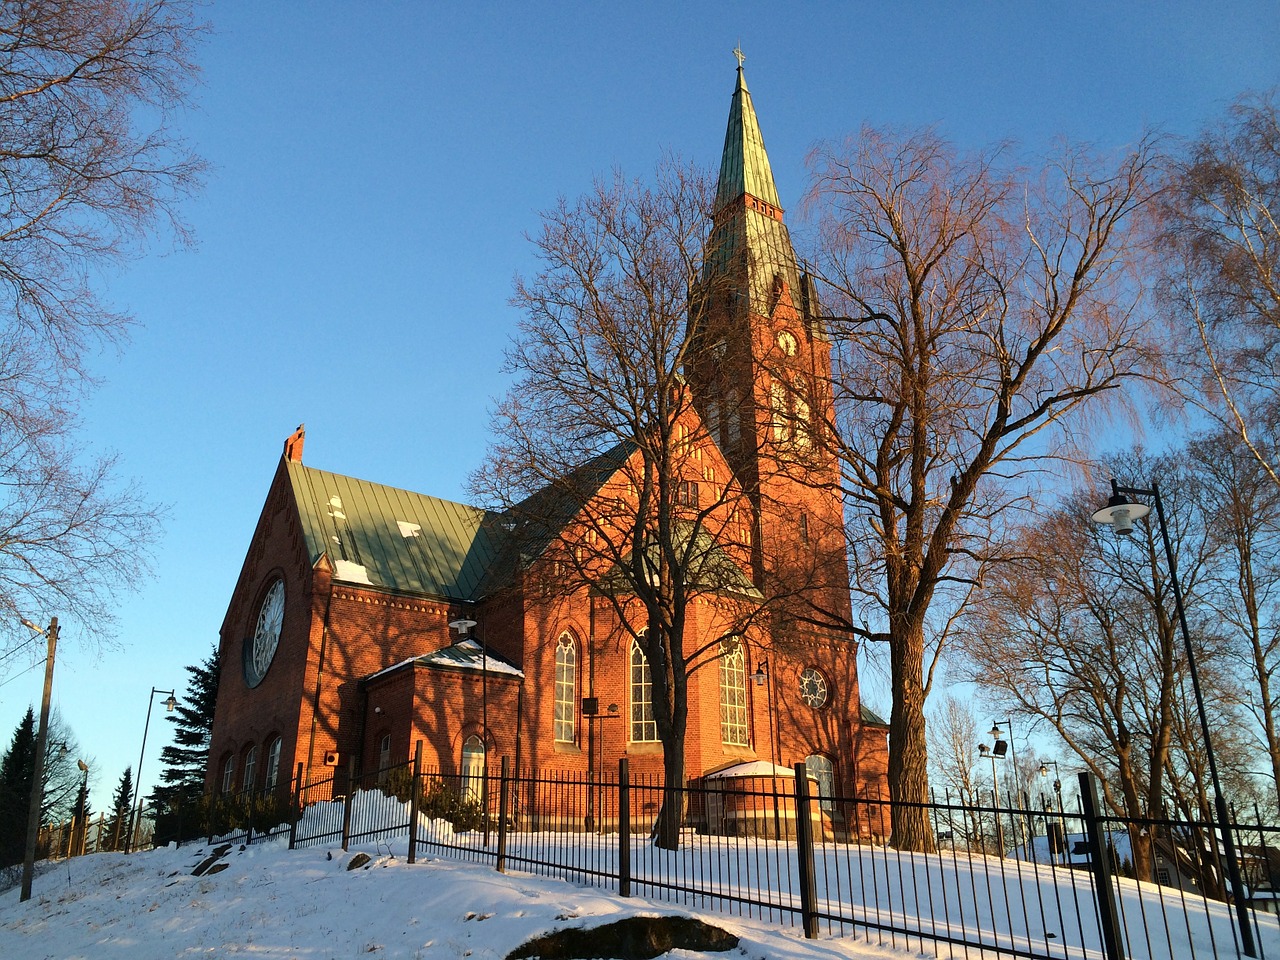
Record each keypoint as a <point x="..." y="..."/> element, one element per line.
<point x="774" y="850"/>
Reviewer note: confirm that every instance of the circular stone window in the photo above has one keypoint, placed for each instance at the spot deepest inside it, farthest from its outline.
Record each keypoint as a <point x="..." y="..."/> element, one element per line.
<point x="813" y="688"/>
<point x="261" y="647"/>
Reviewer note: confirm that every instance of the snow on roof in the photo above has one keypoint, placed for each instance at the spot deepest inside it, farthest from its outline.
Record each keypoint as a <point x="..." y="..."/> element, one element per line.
<point x="466" y="654"/>
<point x="469" y="655"/>
<point x="754" y="768"/>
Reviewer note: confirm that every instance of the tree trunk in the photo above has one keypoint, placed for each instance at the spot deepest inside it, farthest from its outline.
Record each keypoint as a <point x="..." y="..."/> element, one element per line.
<point x="908" y="752"/>
<point x="666" y="832"/>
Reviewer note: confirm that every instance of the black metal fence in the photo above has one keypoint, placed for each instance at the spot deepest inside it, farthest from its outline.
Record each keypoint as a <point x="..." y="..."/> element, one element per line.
<point x="1005" y="881"/>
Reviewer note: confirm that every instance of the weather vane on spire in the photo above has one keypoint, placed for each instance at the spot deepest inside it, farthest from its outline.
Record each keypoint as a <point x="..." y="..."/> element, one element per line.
<point x="737" y="52"/>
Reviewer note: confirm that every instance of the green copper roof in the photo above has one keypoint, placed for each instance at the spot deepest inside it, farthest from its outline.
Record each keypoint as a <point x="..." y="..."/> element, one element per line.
<point x="747" y="245"/>
<point x="744" y="166"/>
<point x="393" y="539"/>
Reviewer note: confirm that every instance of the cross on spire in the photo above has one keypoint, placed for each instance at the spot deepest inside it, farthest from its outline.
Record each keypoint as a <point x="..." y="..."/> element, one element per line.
<point x="737" y="52"/>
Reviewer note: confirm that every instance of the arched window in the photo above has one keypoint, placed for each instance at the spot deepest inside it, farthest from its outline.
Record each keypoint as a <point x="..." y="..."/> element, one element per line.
<point x="250" y="768"/>
<point x="802" y="428"/>
<point x="783" y="425"/>
<point x="229" y="773"/>
<point x="473" y="768"/>
<point x="733" y="417"/>
<point x="384" y="757"/>
<point x="643" y="727"/>
<point x="733" y="692"/>
<point x="566" y="679"/>
<point x="273" y="766"/>
<point x="823" y="774"/>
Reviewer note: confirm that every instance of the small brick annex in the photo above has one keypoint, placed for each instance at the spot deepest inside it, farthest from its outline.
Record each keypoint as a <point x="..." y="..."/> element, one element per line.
<point x="337" y="648"/>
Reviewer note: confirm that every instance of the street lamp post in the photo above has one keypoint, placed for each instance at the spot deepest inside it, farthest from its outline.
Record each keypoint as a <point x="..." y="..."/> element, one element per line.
<point x="463" y="625"/>
<point x="42" y="736"/>
<point x="995" y="793"/>
<point x="1120" y="513"/>
<point x="762" y="678"/>
<point x="131" y="841"/>
<point x="1057" y="790"/>
<point x="1014" y="792"/>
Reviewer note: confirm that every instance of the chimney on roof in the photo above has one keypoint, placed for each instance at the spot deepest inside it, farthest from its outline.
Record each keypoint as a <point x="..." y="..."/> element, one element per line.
<point x="293" y="445"/>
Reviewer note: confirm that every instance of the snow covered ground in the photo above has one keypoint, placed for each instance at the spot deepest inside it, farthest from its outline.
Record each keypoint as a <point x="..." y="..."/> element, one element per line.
<point x="271" y="902"/>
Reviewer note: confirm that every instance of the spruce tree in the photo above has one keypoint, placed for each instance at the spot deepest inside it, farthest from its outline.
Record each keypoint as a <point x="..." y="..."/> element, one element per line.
<point x="17" y="768"/>
<point x="185" y="760"/>
<point x="120" y="823"/>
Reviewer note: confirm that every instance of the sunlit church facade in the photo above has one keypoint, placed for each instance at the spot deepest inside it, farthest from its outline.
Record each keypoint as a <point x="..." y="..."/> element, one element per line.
<point x="337" y="649"/>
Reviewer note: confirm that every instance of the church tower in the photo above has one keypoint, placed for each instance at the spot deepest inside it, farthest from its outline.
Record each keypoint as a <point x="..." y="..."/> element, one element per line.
<point x="760" y="378"/>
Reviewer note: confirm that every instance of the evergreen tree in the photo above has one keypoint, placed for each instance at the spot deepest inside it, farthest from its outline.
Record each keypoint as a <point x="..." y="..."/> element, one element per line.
<point x="120" y="823"/>
<point x="17" y="768"/>
<point x="81" y="814"/>
<point x="185" y="760"/>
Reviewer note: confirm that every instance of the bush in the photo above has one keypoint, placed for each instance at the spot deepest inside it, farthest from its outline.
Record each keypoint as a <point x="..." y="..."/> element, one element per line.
<point x="439" y="802"/>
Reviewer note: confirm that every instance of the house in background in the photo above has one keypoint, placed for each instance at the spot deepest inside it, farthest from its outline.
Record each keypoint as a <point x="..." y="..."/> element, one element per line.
<point x="337" y="647"/>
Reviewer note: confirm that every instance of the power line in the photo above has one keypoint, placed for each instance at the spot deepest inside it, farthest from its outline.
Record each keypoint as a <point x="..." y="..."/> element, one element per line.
<point x="28" y="670"/>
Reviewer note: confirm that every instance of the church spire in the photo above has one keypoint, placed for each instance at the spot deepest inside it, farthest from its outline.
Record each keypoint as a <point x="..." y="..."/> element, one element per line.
<point x="744" y="165"/>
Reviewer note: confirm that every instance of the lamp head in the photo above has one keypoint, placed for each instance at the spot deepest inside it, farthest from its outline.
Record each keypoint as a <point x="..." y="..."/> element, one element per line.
<point x="761" y="674"/>
<point x="1044" y="770"/>
<point x="983" y="749"/>
<point x="463" y="625"/>
<point x="1120" y="512"/>
<point x="170" y="704"/>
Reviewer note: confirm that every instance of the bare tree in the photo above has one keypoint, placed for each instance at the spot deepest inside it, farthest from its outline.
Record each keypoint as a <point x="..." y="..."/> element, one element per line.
<point x="1241" y="507"/>
<point x="89" y="168"/>
<point x="600" y="459"/>
<point x="1219" y="234"/>
<point x="1083" y="635"/>
<point x="983" y="309"/>
<point x="953" y="749"/>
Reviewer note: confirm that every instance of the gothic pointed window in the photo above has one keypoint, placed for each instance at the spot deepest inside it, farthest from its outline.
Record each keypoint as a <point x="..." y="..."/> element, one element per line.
<point x="250" y="767"/>
<point x="733" y="417"/>
<point x="384" y="758"/>
<point x="566" y="679"/>
<point x="473" y="772"/>
<point x="733" y="693"/>
<point x="273" y="765"/>
<point x="782" y="421"/>
<point x="713" y="420"/>
<point x="802" y="430"/>
<point x="229" y="774"/>
<point x="823" y="774"/>
<point x="643" y="727"/>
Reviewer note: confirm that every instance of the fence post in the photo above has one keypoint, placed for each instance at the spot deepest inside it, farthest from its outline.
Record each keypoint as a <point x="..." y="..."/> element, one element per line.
<point x="1100" y="861"/>
<point x="295" y="809"/>
<point x="413" y="801"/>
<point x="248" y="828"/>
<point x="624" y="829"/>
<point x="804" y="854"/>
<point x="346" y="803"/>
<point x="504" y="794"/>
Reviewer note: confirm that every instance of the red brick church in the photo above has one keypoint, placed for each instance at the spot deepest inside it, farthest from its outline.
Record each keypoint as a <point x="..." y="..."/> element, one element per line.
<point x="337" y="647"/>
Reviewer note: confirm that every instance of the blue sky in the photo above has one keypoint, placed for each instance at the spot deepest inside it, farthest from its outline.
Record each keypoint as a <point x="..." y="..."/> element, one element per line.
<point x="375" y="169"/>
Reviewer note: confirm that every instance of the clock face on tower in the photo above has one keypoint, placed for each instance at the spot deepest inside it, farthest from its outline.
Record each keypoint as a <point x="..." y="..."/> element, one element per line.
<point x="787" y="343"/>
<point x="261" y="647"/>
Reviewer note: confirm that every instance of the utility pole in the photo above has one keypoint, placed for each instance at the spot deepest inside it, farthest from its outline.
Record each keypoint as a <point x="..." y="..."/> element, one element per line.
<point x="37" y="778"/>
